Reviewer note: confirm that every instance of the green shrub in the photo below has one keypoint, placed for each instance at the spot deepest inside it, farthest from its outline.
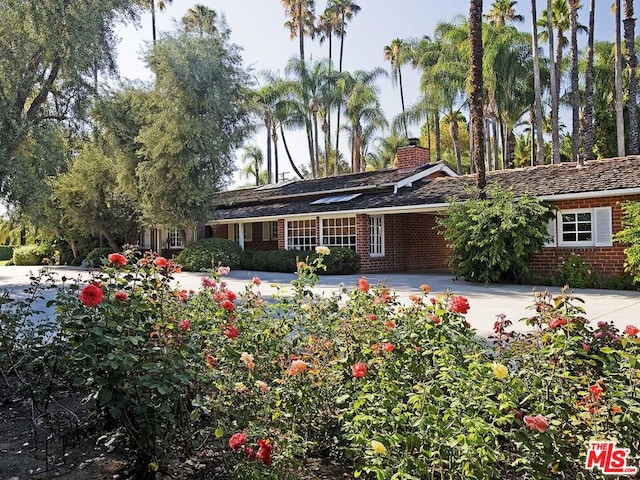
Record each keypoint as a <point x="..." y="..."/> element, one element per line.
<point x="341" y="261"/>
<point x="209" y="253"/>
<point x="492" y="239"/>
<point x="630" y="234"/>
<point x="6" y="252"/>
<point x="576" y="273"/>
<point x="31" y="254"/>
<point x="94" y="257"/>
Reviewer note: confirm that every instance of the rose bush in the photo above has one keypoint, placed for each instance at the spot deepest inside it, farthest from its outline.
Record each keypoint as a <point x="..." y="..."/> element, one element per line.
<point x="390" y="389"/>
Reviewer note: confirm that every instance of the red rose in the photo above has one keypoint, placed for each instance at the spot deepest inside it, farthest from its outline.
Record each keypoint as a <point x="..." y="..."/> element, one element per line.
<point x="256" y="281"/>
<point x="230" y="295"/>
<point x="91" y="295"/>
<point x="459" y="305"/>
<point x="359" y="370"/>
<point x="237" y="441"/>
<point x="388" y="347"/>
<point x="249" y="453"/>
<point x="117" y="259"/>
<point x="228" y="305"/>
<point x="184" y="324"/>
<point x="121" y="296"/>
<point x="160" y="262"/>
<point x="264" y="451"/>
<point x="557" y="322"/>
<point x="631" y="330"/>
<point x="211" y="360"/>
<point x="231" y="331"/>
<point x="389" y="325"/>
<point x="596" y="390"/>
<point x="536" y="423"/>
<point x="363" y="285"/>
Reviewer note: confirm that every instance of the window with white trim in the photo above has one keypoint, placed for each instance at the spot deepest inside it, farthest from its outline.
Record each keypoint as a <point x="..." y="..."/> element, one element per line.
<point x="174" y="239"/>
<point x="339" y="232"/>
<point x="586" y="227"/>
<point x="301" y="234"/>
<point x="269" y="231"/>
<point x="145" y="239"/>
<point x="376" y="236"/>
<point x="235" y="234"/>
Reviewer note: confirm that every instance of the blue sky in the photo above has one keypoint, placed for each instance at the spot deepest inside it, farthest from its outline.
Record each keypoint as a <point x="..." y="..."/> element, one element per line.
<point x="257" y="26"/>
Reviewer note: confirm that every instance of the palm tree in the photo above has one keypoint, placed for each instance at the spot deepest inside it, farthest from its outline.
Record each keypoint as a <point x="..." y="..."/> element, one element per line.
<point x="537" y="85"/>
<point x="575" y="94"/>
<point x="632" y="63"/>
<point x="346" y="10"/>
<point x="384" y="155"/>
<point x="162" y="5"/>
<point x="301" y="15"/>
<point x="363" y="110"/>
<point x="503" y="12"/>
<point x="201" y="19"/>
<point x="396" y="53"/>
<point x="618" y="90"/>
<point x="555" y="86"/>
<point x="587" y="126"/>
<point x="253" y="160"/>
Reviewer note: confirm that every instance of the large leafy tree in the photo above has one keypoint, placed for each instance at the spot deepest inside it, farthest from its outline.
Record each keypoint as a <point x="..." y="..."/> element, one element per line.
<point x="50" y="52"/>
<point x="197" y="115"/>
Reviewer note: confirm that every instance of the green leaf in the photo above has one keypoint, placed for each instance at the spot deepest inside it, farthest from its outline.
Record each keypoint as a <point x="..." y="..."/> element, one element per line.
<point x="219" y="433"/>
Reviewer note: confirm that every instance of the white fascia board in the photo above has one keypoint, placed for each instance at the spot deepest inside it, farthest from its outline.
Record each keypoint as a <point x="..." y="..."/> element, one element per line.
<point x="597" y="194"/>
<point x="436" y="207"/>
<point x="441" y="167"/>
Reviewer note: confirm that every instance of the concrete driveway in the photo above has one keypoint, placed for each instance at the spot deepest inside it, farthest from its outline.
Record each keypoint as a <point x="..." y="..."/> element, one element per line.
<point x="620" y="307"/>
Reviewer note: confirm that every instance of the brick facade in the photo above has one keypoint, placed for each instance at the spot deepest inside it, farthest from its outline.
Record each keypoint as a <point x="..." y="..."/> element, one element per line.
<point x="607" y="261"/>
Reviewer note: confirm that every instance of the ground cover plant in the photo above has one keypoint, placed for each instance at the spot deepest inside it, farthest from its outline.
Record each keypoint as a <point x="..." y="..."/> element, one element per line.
<point x="236" y="385"/>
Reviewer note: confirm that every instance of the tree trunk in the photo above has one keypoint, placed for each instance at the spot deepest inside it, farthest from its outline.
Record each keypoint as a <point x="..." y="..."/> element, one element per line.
<point x="110" y="240"/>
<point x="406" y="130"/>
<point x="286" y="149"/>
<point x="453" y="131"/>
<point x="496" y="143"/>
<point x="575" y="94"/>
<point x="487" y="136"/>
<point x="632" y="63"/>
<point x="73" y="245"/>
<point x="537" y="85"/>
<point x="268" y="122"/>
<point x="339" y="104"/>
<point x="587" y="127"/>
<point x="153" y="22"/>
<point x="436" y="133"/>
<point x="476" y="100"/>
<point x="618" y="102"/>
<point x="555" y="124"/>
<point x="274" y="139"/>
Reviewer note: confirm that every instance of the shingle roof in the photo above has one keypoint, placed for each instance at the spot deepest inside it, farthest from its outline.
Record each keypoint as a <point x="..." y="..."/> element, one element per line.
<point x="545" y="181"/>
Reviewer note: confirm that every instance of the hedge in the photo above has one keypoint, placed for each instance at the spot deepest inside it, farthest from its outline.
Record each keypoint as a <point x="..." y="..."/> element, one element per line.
<point x="340" y="261"/>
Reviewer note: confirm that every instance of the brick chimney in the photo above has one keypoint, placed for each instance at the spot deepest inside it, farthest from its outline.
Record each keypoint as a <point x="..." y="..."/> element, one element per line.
<point x="412" y="156"/>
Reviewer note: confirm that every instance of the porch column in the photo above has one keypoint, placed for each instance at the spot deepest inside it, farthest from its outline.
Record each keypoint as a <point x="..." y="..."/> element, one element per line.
<point x="281" y="234"/>
<point x="241" y="235"/>
<point x="362" y="240"/>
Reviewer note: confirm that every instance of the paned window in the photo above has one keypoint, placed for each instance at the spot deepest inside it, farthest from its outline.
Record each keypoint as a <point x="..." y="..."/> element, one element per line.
<point x="339" y="232"/>
<point x="174" y="239"/>
<point x="586" y="227"/>
<point x="376" y="236"/>
<point x="301" y="234"/>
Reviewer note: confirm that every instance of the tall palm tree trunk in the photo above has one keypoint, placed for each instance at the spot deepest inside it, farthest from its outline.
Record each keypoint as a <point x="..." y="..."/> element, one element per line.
<point x="487" y="136"/>
<point x="575" y="94"/>
<point x="286" y="149"/>
<point x="587" y="126"/>
<point x="618" y="102"/>
<point x="338" y="113"/>
<point x="632" y="63"/>
<point x="453" y="131"/>
<point x="476" y="101"/>
<point x="436" y="134"/>
<point x="269" y="170"/>
<point x="555" y="123"/>
<point x="153" y="21"/>
<point x="406" y="130"/>
<point x="274" y="138"/>
<point x="537" y="85"/>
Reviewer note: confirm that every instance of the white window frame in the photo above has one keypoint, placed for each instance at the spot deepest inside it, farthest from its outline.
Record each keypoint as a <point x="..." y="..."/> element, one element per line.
<point x="332" y="233"/>
<point x="174" y="239"/>
<point x="301" y="234"/>
<point x="601" y="227"/>
<point x="145" y="239"/>
<point x="376" y="236"/>
<point x="269" y="231"/>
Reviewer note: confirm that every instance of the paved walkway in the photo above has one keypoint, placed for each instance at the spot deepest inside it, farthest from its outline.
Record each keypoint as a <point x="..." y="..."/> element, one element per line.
<point x="620" y="307"/>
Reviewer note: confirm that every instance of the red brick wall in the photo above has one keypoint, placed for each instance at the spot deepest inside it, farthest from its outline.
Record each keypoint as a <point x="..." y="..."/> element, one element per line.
<point x="412" y="157"/>
<point x="411" y="244"/>
<point x="608" y="261"/>
<point x="256" y="243"/>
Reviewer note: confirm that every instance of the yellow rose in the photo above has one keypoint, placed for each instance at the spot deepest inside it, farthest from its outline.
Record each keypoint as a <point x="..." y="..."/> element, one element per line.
<point x="500" y="371"/>
<point x="323" y="250"/>
<point x="378" y="447"/>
